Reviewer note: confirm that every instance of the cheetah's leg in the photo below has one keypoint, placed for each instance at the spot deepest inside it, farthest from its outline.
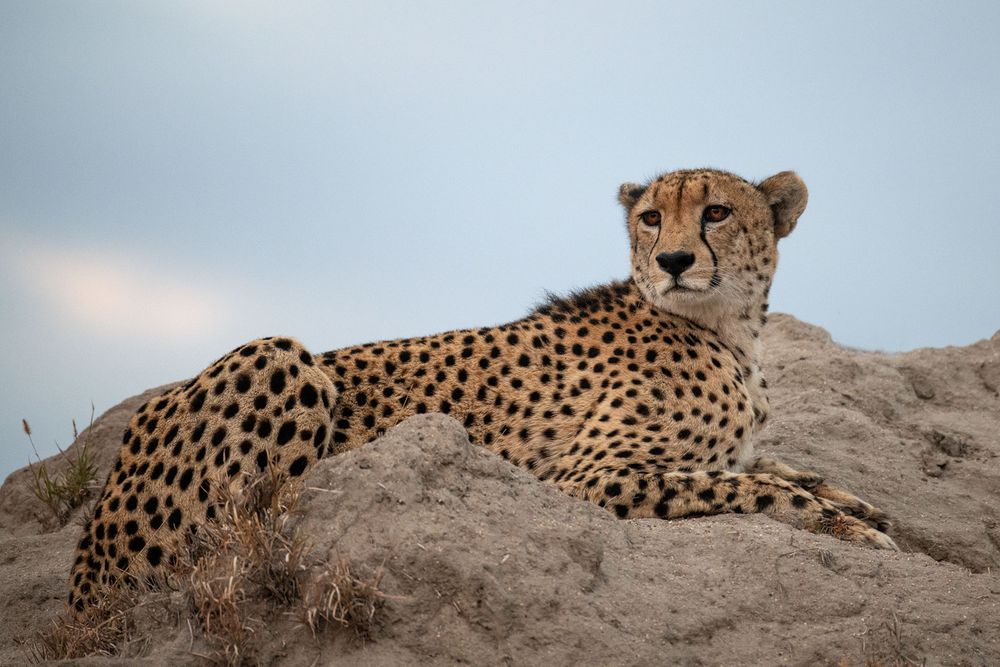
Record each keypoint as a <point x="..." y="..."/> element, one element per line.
<point x="806" y="479"/>
<point x="674" y="495"/>
<point x="846" y="502"/>
<point x="264" y="406"/>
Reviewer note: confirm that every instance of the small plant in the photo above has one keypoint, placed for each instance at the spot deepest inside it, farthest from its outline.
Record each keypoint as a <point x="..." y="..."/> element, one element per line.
<point x="337" y="596"/>
<point x="883" y="646"/>
<point x="239" y="573"/>
<point x="105" y="629"/>
<point x="243" y="565"/>
<point x="248" y="565"/>
<point x="69" y="488"/>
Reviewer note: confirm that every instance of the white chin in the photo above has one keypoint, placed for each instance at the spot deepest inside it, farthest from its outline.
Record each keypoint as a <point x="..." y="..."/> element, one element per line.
<point x="679" y="295"/>
<point x="681" y="291"/>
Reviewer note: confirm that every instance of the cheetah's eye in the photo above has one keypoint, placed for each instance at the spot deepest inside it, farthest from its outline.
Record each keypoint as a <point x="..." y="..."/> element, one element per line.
<point x="715" y="213"/>
<point x="651" y="218"/>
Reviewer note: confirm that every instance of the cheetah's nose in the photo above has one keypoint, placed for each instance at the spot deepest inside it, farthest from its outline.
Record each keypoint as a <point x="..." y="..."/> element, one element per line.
<point x="675" y="263"/>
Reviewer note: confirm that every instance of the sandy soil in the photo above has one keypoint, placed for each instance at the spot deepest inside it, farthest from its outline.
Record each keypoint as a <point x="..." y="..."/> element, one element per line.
<point x="485" y="565"/>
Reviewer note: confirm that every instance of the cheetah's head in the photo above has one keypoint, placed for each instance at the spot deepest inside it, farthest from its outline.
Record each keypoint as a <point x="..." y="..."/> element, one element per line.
<point x="706" y="240"/>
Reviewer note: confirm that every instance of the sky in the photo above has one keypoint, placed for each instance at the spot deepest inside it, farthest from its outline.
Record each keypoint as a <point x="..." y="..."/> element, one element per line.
<point x="179" y="177"/>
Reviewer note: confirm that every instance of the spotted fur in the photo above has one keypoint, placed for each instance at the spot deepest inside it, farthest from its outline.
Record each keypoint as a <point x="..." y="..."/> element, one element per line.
<point x="641" y="396"/>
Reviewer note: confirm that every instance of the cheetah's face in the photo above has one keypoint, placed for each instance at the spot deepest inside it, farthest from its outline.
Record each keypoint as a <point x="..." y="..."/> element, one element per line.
<point x="708" y="237"/>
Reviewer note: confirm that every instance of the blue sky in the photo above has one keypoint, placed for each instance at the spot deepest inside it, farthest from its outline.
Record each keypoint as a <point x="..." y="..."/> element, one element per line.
<point x="176" y="178"/>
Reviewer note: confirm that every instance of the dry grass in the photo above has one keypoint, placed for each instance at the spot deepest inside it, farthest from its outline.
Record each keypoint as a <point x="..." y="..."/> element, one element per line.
<point x="248" y="567"/>
<point x="242" y="573"/>
<point x="337" y="596"/>
<point x="244" y="565"/>
<point x="883" y="646"/>
<point x="104" y="630"/>
<point x="66" y="490"/>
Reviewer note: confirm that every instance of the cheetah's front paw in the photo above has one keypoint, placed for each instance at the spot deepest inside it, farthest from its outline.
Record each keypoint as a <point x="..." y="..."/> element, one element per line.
<point x="854" y="506"/>
<point x="851" y="529"/>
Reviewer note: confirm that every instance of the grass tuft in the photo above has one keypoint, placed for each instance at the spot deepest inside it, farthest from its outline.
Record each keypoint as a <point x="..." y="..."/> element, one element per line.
<point x="884" y="646"/>
<point x="103" y="630"/>
<point x="337" y="596"/>
<point x="241" y="572"/>
<point x="244" y="565"/>
<point x="248" y="566"/>
<point x="66" y="490"/>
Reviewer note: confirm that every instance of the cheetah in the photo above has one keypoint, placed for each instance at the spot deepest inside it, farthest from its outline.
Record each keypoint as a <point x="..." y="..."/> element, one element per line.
<point x="641" y="396"/>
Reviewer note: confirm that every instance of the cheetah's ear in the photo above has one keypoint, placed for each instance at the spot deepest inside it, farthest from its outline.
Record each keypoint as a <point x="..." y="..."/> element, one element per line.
<point x="787" y="196"/>
<point x="629" y="193"/>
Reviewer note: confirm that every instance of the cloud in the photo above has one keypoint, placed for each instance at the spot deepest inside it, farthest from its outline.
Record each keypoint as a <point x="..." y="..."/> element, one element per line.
<point x="116" y="295"/>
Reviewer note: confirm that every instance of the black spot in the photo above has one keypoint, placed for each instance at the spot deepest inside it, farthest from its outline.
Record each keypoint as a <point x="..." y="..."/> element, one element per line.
<point x="222" y="456"/>
<point x="218" y="436"/>
<point x="708" y="495"/>
<point x="283" y="344"/>
<point x="286" y="432"/>
<point x="199" y="430"/>
<point x="243" y="383"/>
<point x="150" y="505"/>
<point x="298" y="466"/>
<point x="136" y="543"/>
<point x="185" y="481"/>
<point x="621" y="511"/>
<point x="308" y="396"/>
<point x="612" y="490"/>
<point x="203" y="490"/>
<point x="764" y="501"/>
<point x="153" y="555"/>
<point x="799" y="501"/>
<point x="278" y="381"/>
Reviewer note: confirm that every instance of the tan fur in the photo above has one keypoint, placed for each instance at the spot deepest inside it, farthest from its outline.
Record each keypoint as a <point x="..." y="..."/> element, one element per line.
<point x="638" y="395"/>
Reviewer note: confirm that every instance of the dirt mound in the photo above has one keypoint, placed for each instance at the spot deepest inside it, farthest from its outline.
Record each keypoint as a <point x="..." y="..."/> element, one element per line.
<point x="483" y="564"/>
